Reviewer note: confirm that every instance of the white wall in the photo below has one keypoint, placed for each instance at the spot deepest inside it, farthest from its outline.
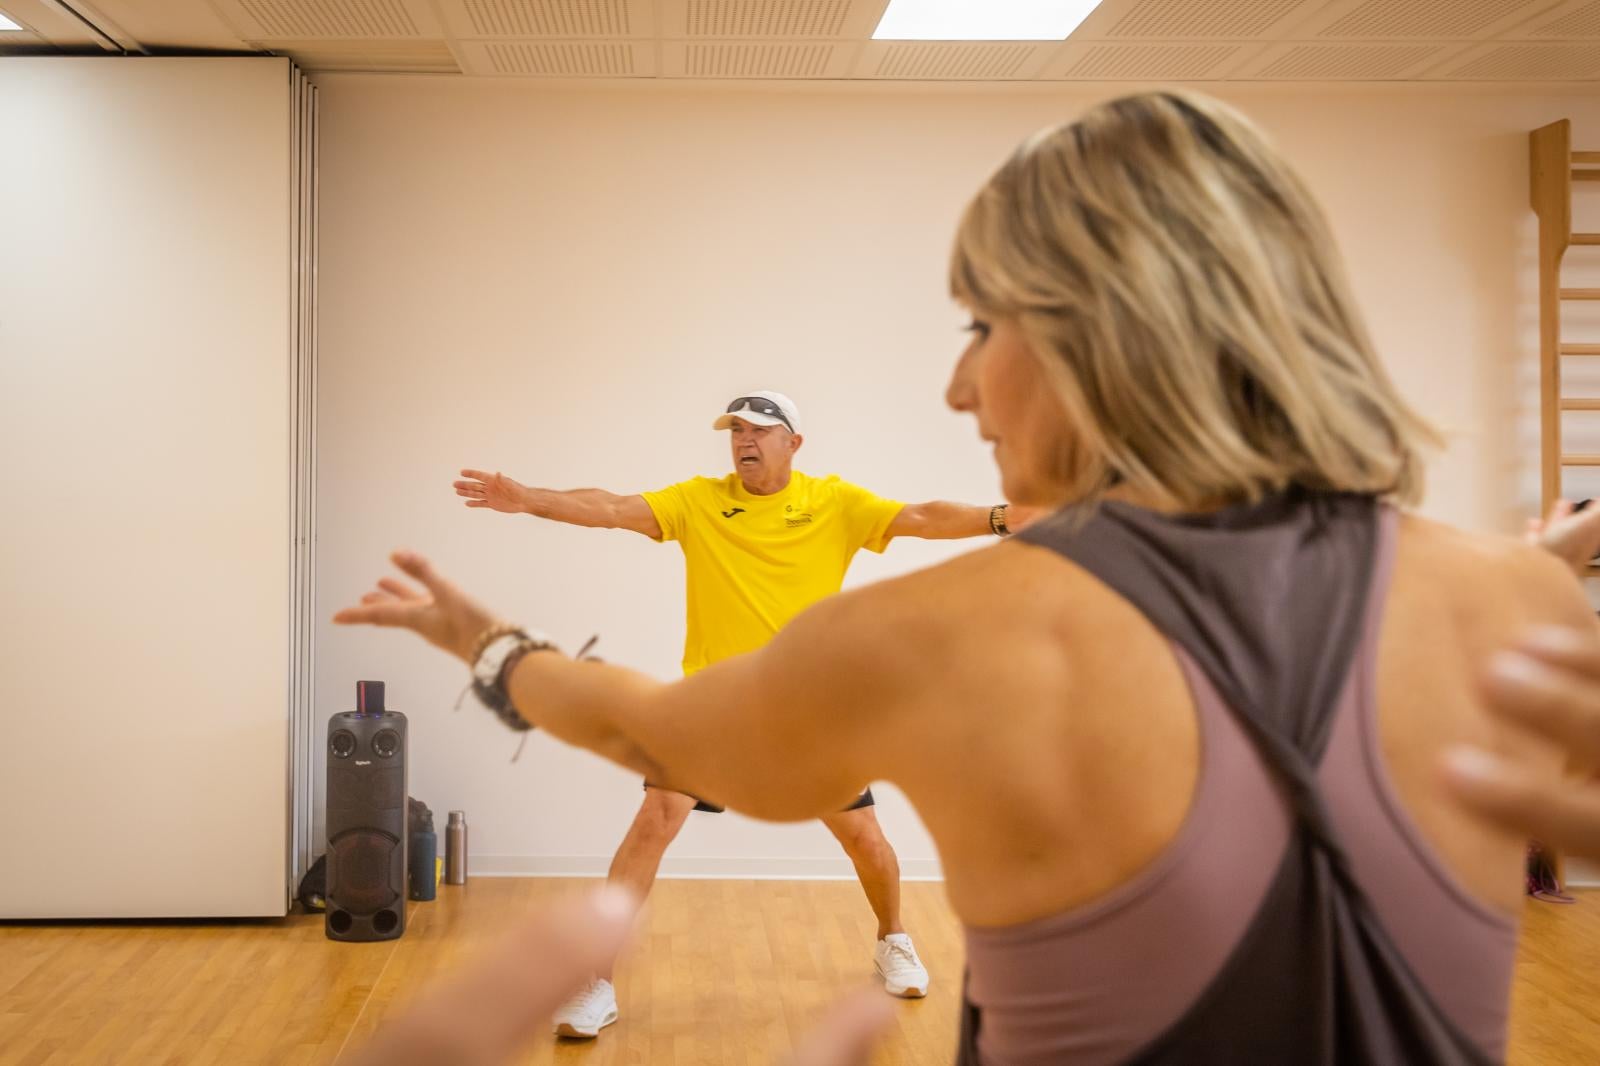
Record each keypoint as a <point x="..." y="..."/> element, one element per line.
<point x="566" y="283"/>
<point x="144" y="467"/>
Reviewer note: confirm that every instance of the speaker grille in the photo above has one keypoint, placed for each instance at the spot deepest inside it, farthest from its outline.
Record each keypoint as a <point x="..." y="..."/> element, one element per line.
<point x="365" y="788"/>
<point x="359" y="869"/>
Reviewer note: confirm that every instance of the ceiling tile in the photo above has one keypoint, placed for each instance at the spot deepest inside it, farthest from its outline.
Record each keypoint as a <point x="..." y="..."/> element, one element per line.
<point x="559" y="59"/>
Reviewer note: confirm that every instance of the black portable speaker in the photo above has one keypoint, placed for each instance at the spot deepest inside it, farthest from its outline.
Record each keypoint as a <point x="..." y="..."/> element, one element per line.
<point x="366" y="820"/>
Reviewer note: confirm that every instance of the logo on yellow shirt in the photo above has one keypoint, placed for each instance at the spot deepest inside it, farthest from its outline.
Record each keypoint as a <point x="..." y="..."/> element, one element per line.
<point x="730" y="514"/>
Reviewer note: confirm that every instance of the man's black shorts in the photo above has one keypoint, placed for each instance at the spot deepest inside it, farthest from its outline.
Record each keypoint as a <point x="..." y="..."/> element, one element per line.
<point x="863" y="800"/>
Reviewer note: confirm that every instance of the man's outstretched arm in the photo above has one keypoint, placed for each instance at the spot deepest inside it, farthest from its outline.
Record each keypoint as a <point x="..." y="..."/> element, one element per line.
<point x="595" y="508"/>
<point x="940" y="520"/>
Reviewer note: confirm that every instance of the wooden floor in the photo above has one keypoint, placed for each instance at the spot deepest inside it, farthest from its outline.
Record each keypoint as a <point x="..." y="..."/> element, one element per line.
<point x="724" y="972"/>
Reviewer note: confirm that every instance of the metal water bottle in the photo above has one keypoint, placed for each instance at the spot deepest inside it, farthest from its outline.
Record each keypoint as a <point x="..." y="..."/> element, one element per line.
<point x="455" y="849"/>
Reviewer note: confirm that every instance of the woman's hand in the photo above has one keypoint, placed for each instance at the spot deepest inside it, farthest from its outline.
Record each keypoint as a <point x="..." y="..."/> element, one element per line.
<point x="494" y="1007"/>
<point x="1550" y="684"/>
<point x="442" y="615"/>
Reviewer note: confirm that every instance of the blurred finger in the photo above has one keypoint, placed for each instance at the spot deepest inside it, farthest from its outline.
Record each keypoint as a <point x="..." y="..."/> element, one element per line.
<point x="1552" y="702"/>
<point x="396" y="587"/>
<point x="847" y="1033"/>
<point x="1562" y="814"/>
<point x="477" y="503"/>
<point x="418" y="567"/>
<point x="478" y="475"/>
<point x="1573" y="650"/>
<point x="377" y="614"/>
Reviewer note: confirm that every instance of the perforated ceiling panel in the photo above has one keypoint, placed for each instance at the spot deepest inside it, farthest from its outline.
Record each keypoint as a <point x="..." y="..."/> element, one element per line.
<point x="1213" y="18"/>
<point x="757" y="60"/>
<point x="1147" y="41"/>
<point x="576" y="59"/>
<point x="548" y="18"/>
<point x="411" y="57"/>
<point x="1357" y="62"/>
<point x="1584" y="22"/>
<point x="1533" y="62"/>
<point x="766" y="18"/>
<point x="1151" y="62"/>
<point x="954" y="61"/>
<point x="1426" y="18"/>
<point x="328" y="18"/>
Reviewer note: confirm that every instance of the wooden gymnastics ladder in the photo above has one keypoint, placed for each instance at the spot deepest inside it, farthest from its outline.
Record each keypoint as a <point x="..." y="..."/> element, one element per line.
<point x="1554" y="166"/>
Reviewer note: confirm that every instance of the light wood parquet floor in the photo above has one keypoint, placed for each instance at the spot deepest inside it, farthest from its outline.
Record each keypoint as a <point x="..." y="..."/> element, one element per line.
<point x="723" y="973"/>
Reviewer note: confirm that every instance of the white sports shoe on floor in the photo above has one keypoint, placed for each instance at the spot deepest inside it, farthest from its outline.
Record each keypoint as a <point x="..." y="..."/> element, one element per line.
<point x="895" y="959"/>
<point x="588" y="1012"/>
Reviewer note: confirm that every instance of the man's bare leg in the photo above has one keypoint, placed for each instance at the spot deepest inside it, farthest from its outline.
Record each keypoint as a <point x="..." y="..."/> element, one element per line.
<point x="877" y="866"/>
<point x="638" y="858"/>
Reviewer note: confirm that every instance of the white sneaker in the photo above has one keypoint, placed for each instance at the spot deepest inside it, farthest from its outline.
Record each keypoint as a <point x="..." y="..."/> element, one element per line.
<point x="588" y="1012"/>
<point x="895" y="959"/>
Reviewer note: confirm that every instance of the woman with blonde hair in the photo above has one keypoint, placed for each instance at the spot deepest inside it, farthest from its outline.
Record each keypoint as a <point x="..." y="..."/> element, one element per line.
<point x="1176" y="744"/>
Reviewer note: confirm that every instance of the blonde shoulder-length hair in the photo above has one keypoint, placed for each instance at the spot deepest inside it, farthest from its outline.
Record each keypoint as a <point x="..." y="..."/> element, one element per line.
<point x="1184" y="294"/>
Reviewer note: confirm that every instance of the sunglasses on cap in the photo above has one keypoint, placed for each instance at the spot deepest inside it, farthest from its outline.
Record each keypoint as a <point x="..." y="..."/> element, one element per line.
<point x="761" y="406"/>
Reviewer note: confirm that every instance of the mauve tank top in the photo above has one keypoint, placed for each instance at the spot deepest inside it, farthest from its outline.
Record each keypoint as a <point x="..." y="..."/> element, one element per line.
<point x="1298" y="917"/>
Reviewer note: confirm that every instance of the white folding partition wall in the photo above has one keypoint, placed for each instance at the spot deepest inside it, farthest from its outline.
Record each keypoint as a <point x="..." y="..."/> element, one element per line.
<point x="157" y="376"/>
<point x="303" y="844"/>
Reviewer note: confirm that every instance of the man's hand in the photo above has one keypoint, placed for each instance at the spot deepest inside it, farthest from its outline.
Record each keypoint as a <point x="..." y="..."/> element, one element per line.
<point x="1570" y="535"/>
<point x="443" y="615"/>
<point x="1550" y="685"/>
<point x="495" y="491"/>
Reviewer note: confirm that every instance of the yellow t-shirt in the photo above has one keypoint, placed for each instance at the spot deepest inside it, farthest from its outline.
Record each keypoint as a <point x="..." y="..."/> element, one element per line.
<point x="754" y="562"/>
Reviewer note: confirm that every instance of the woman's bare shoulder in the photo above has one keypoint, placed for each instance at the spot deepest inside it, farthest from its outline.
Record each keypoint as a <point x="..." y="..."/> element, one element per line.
<point x="1503" y="575"/>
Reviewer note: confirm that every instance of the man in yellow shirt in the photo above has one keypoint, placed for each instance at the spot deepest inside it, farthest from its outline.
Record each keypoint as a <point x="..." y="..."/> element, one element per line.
<point x="760" y="545"/>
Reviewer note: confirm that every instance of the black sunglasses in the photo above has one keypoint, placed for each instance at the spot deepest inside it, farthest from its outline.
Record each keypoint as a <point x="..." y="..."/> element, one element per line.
<point x="760" y="405"/>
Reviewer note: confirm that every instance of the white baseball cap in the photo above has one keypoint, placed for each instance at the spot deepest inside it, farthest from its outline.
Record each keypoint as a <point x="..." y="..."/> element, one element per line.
<point x="765" y="408"/>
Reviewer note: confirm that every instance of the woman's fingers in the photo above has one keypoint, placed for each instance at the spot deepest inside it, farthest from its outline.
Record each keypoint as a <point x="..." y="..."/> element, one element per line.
<point x="387" y="613"/>
<point x="1559" y="704"/>
<point x="1559" y="813"/>
<point x="1577" y="651"/>
<point x="848" y="1033"/>
<point x="397" y="588"/>
<point x="496" y="1004"/>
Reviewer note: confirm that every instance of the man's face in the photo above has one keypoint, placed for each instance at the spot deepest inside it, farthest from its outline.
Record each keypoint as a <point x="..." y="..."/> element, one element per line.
<point x="761" y="452"/>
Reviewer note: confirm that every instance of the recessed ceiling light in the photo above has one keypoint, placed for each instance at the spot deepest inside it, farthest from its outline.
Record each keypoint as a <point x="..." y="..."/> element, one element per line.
<point x="991" y="20"/>
<point x="7" y="24"/>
